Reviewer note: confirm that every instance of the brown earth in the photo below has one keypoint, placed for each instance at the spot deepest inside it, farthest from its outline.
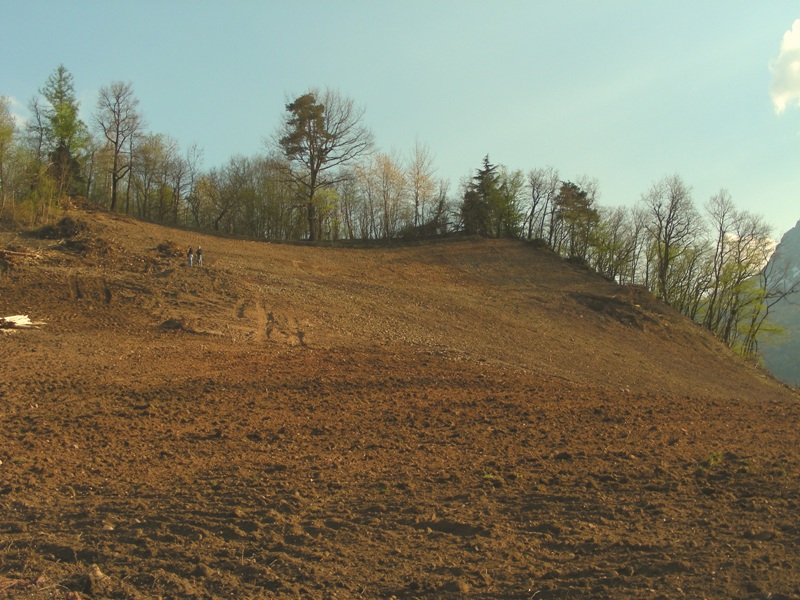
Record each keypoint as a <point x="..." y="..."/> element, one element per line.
<point x="461" y="419"/>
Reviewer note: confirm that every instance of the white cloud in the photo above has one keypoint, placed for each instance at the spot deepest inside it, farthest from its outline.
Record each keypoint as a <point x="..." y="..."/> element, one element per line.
<point x="785" y="69"/>
<point x="18" y="111"/>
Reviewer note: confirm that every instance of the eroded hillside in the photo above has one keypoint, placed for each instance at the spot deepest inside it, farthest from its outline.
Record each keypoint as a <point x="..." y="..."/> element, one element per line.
<point x="462" y="418"/>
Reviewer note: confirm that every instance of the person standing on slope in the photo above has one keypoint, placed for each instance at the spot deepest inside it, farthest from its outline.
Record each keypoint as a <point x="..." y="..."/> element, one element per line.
<point x="199" y="256"/>
<point x="190" y="256"/>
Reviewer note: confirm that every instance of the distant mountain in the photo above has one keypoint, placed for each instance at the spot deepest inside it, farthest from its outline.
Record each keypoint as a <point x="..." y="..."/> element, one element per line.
<point x="781" y="352"/>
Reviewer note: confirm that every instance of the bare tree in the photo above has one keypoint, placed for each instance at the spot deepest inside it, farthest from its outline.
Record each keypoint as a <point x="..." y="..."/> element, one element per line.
<point x="392" y="187"/>
<point x="750" y="249"/>
<point x="421" y="182"/>
<point x="119" y="122"/>
<point x="193" y="159"/>
<point x="383" y="189"/>
<point x="614" y="243"/>
<point x="777" y="282"/>
<point x="320" y="133"/>
<point x="673" y="227"/>
<point x="349" y="204"/>
<point x="35" y="129"/>
<point x="722" y="212"/>
<point x="544" y="184"/>
<point x="151" y="171"/>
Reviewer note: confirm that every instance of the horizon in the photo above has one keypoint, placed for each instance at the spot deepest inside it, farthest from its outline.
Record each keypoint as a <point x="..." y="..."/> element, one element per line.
<point x="630" y="94"/>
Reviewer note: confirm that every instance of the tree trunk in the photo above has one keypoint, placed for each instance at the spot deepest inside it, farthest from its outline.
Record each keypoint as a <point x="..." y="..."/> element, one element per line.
<point x="312" y="221"/>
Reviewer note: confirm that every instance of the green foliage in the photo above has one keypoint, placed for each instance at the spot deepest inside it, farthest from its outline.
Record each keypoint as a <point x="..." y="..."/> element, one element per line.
<point x="577" y="218"/>
<point x="715" y="459"/>
<point x="320" y="134"/>
<point x="65" y="135"/>
<point x="474" y="213"/>
<point x="7" y="134"/>
<point x="490" y="203"/>
<point x="318" y="186"/>
<point x="305" y="137"/>
<point x="479" y="198"/>
<point x="612" y="245"/>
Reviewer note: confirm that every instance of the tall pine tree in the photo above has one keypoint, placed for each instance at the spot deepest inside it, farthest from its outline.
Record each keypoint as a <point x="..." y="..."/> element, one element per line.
<point x="480" y="199"/>
<point x="65" y="135"/>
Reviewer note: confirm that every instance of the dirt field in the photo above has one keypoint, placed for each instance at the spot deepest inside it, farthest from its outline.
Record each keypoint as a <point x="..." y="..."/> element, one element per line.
<point x="463" y="419"/>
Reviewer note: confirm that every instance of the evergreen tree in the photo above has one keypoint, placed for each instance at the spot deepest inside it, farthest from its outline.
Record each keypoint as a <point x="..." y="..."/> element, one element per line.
<point x="480" y="199"/>
<point x="65" y="135"/>
<point x="490" y="203"/>
<point x="320" y="133"/>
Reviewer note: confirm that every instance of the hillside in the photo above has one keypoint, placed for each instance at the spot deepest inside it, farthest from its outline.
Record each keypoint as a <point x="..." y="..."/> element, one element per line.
<point x="456" y="419"/>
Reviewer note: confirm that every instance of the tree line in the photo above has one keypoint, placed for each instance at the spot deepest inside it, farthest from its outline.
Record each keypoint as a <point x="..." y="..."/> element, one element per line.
<point x="321" y="177"/>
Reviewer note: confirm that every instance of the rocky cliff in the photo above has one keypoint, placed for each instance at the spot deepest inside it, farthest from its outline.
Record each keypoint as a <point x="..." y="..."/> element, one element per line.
<point x="781" y="350"/>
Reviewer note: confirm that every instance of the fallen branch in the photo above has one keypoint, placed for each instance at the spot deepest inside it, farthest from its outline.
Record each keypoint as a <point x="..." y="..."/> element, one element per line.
<point x="19" y="322"/>
<point x="9" y="253"/>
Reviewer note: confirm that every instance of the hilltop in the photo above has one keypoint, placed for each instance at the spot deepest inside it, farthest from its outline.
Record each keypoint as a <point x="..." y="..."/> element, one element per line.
<point x="460" y="418"/>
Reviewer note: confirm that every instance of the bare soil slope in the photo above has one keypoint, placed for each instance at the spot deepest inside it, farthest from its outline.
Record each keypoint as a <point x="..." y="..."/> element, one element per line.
<point x="463" y="419"/>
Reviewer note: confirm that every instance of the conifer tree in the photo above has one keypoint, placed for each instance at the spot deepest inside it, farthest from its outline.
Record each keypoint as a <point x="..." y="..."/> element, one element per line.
<point x="320" y="133"/>
<point x="65" y="136"/>
<point x="480" y="197"/>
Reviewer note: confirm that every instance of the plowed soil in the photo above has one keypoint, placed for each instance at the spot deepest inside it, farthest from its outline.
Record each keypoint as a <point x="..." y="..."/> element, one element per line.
<point x="459" y="419"/>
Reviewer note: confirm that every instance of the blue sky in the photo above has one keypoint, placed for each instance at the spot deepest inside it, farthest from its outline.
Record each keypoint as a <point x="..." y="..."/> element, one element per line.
<point x="624" y="91"/>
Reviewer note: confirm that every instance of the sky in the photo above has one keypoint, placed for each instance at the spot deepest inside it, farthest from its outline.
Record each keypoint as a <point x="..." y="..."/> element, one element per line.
<point x="626" y="92"/>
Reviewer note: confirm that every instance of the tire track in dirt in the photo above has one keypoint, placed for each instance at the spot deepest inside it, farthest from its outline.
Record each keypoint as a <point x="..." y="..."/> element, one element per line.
<point x="522" y="437"/>
<point x="241" y="307"/>
<point x="261" y="322"/>
<point x="267" y="327"/>
<point x="248" y="309"/>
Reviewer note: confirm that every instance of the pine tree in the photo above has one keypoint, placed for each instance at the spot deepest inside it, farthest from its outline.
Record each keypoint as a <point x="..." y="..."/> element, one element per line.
<point x="480" y="200"/>
<point x="65" y="135"/>
<point x="319" y="134"/>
